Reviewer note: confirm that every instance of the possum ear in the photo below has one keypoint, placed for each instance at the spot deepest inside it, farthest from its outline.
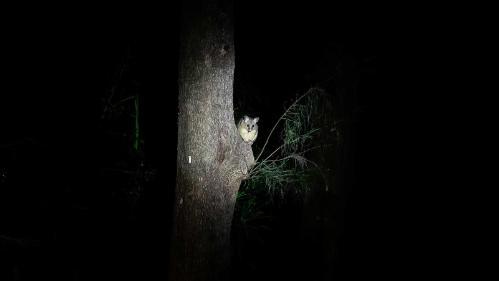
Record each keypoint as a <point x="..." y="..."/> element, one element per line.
<point x="246" y="118"/>
<point x="256" y="119"/>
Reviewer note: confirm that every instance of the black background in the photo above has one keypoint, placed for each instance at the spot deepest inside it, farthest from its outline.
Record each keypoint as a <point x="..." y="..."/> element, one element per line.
<point x="59" y="64"/>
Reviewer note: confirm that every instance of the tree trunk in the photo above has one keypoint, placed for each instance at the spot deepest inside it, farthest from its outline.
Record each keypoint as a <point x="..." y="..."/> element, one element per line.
<point x="212" y="159"/>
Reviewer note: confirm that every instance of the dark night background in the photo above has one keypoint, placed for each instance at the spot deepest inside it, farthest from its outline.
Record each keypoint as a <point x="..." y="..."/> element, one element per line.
<point x="66" y="214"/>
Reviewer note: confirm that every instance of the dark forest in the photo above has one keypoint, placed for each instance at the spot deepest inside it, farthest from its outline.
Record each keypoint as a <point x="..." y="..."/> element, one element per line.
<point x="88" y="146"/>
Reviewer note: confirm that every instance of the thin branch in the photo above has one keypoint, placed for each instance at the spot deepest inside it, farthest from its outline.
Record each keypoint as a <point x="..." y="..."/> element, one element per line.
<point x="125" y="99"/>
<point x="299" y="153"/>
<point x="279" y="120"/>
<point x="263" y="161"/>
<point x="19" y="241"/>
<point x="320" y="171"/>
<point x="254" y="170"/>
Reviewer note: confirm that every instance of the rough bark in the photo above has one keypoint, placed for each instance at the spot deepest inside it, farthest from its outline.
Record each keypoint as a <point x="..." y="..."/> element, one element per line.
<point x="207" y="137"/>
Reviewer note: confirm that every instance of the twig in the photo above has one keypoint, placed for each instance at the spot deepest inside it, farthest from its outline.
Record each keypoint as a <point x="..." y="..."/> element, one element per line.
<point x="305" y="151"/>
<point x="19" y="241"/>
<point x="320" y="171"/>
<point x="254" y="170"/>
<point x="263" y="161"/>
<point x="279" y="120"/>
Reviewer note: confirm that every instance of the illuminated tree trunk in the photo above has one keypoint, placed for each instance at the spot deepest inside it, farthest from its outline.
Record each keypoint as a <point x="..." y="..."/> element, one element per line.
<point x="212" y="159"/>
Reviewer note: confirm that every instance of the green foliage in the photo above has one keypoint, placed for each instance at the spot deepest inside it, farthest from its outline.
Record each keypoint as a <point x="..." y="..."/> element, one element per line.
<point x="298" y="127"/>
<point x="276" y="175"/>
<point x="288" y="168"/>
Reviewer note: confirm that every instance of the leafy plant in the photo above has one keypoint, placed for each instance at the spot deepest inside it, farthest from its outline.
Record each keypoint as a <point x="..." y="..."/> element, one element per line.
<point x="288" y="168"/>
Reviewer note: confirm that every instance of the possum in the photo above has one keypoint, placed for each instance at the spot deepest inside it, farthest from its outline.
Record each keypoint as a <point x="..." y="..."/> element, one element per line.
<point x="248" y="129"/>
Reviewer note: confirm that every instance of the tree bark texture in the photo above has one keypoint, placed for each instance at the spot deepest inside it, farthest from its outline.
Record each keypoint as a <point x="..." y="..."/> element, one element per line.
<point x="212" y="159"/>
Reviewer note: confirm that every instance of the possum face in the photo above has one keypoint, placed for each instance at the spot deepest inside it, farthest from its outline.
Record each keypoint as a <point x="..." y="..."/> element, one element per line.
<point x="248" y="129"/>
<point x="250" y="123"/>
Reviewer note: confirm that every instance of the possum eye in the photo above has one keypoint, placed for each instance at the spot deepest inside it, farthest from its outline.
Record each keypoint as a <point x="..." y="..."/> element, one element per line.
<point x="252" y="126"/>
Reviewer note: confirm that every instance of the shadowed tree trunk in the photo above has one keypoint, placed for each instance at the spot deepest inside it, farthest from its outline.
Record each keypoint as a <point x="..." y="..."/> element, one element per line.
<point x="212" y="159"/>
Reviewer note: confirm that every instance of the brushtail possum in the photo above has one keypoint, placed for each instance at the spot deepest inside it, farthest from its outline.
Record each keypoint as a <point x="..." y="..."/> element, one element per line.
<point x="248" y="129"/>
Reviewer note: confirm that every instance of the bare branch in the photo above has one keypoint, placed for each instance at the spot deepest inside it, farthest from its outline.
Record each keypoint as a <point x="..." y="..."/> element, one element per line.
<point x="281" y="118"/>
